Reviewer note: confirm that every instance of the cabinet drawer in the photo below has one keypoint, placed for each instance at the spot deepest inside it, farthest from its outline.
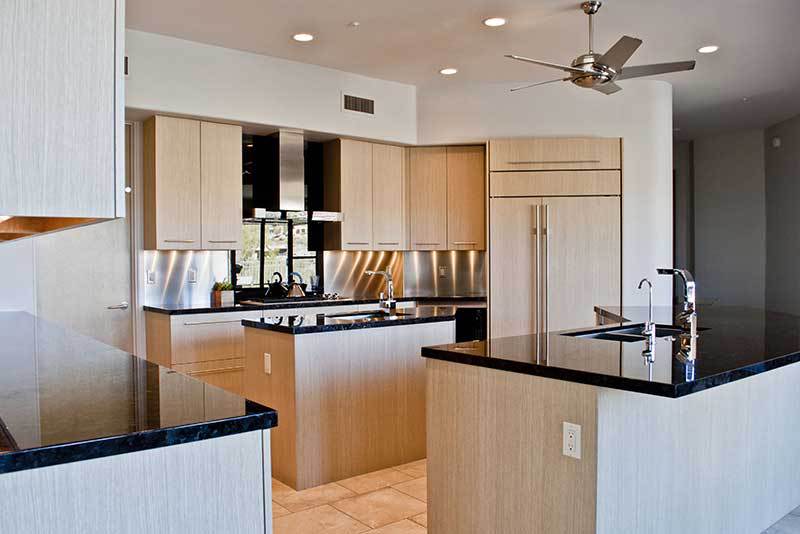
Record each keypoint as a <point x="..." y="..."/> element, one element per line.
<point x="208" y="337"/>
<point x="225" y="374"/>
<point x="555" y="183"/>
<point x="544" y="154"/>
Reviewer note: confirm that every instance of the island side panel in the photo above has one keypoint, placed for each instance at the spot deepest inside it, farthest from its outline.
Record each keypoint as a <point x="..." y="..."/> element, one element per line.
<point x="276" y="390"/>
<point x="361" y="399"/>
<point x="718" y="461"/>
<point x="214" y="485"/>
<point x="495" y="463"/>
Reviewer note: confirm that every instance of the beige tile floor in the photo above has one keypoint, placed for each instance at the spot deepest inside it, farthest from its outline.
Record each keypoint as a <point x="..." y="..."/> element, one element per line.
<point x="389" y="501"/>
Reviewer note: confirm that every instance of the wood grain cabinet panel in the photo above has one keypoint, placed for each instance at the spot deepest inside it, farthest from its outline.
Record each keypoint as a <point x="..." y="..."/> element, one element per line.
<point x="221" y="186"/>
<point x="348" y="189"/>
<point x="466" y="198"/>
<point x="172" y="200"/>
<point x="388" y="197"/>
<point x="62" y="110"/>
<point x="427" y="198"/>
<point x="541" y="154"/>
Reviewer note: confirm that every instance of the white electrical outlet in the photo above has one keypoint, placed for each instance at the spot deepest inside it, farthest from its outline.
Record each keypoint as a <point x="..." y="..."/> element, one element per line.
<point x="191" y="276"/>
<point x="267" y="363"/>
<point x="572" y="440"/>
<point x="151" y="277"/>
<point x="443" y="271"/>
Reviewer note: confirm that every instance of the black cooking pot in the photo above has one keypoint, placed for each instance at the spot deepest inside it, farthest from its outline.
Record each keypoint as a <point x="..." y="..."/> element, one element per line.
<point x="277" y="289"/>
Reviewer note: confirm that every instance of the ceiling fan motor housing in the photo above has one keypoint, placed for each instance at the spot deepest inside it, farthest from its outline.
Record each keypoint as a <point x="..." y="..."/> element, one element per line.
<point x="595" y="73"/>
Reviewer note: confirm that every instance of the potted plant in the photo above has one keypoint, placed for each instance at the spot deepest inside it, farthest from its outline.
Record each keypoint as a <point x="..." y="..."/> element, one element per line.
<point x="222" y="294"/>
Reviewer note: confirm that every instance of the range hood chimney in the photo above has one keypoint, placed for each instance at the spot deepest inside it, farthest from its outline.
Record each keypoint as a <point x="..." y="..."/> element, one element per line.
<point x="274" y="178"/>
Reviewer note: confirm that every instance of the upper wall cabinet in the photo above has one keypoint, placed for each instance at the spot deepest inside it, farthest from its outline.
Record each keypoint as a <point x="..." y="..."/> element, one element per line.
<point x="62" y="108"/>
<point x="193" y="185"/>
<point x="544" y="154"/>
<point x="364" y="181"/>
<point x="446" y="198"/>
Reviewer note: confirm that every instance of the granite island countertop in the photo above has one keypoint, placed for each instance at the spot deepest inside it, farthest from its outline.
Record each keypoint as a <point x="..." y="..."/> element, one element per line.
<point x="734" y="343"/>
<point x="65" y="397"/>
<point x="311" y="302"/>
<point x="322" y="322"/>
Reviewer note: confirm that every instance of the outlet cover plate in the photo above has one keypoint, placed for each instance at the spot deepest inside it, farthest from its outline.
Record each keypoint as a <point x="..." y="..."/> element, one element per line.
<point x="572" y="440"/>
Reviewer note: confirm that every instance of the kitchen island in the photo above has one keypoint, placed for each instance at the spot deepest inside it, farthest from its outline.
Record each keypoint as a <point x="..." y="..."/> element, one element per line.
<point x="707" y="447"/>
<point x="96" y="440"/>
<point x="350" y="388"/>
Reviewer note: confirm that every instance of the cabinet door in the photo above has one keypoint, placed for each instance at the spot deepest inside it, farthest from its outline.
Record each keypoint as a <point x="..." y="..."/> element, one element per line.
<point x="208" y="337"/>
<point x="221" y="186"/>
<point x="466" y="198"/>
<point x="388" y="198"/>
<point x="541" y="154"/>
<point x="427" y="198"/>
<point x="172" y="203"/>
<point x="356" y="195"/>
<point x="514" y="258"/>
<point x="60" y="114"/>
<point x="582" y="260"/>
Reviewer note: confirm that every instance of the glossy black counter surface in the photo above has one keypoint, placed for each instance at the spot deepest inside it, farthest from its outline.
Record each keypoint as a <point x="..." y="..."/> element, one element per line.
<point x="737" y="343"/>
<point x="66" y="397"/>
<point x="311" y="324"/>
<point x="279" y="304"/>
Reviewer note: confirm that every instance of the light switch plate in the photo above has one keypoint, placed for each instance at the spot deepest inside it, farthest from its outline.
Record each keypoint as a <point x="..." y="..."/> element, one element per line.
<point x="267" y="363"/>
<point x="151" y="277"/>
<point x="572" y="440"/>
<point x="191" y="276"/>
<point x="443" y="271"/>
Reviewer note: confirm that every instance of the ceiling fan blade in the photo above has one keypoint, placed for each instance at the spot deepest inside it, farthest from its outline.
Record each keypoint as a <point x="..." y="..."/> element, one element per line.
<point x="608" y="88"/>
<point x="621" y="52"/>
<point x="657" y="68"/>
<point x="538" y="83"/>
<point x="565" y="68"/>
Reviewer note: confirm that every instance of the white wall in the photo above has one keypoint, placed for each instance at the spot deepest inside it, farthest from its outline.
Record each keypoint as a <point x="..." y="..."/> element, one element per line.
<point x="730" y="218"/>
<point x="176" y="76"/>
<point x="641" y="114"/>
<point x="17" y="272"/>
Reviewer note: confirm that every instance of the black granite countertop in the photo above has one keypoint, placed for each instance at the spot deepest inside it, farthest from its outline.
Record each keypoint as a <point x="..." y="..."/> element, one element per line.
<point x="310" y="324"/>
<point x="308" y="302"/>
<point x="734" y="343"/>
<point x="66" y="397"/>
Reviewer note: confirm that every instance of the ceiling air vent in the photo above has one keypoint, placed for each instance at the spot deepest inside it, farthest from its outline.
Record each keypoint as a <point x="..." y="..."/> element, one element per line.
<point x="358" y="104"/>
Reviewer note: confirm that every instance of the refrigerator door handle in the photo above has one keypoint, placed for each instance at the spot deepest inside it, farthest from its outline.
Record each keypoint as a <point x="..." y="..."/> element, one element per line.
<point x="537" y="275"/>
<point x="546" y="291"/>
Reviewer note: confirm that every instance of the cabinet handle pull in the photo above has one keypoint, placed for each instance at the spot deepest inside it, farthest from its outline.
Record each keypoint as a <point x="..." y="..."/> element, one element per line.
<point x="121" y="306"/>
<point x="545" y="162"/>
<point x="357" y="243"/>
<point x="427" y="244"/>
<point x="465" y="242"/>
<point x="179" y="241"/>
<point x="212" y="371"/>
<point x="388" y="242"/>
<point x="212" y="322"/>
<point x="217" y="241"/>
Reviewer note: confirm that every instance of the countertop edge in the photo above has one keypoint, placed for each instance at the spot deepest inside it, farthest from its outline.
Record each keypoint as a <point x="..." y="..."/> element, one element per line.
<point x="65" y="453"/>
<point x="344" y="327"/>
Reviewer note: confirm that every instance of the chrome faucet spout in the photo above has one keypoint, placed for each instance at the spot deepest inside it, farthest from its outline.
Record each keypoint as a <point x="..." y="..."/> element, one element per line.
<point x="649" y="331"/>
<point x="688" y="317"/>
<point x="388" y="302"/>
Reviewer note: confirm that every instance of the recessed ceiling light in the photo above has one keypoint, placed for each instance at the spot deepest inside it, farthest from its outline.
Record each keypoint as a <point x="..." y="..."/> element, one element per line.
<point x="354" y="24"/>
<point x="494" y="22"/>
<point x="449" y="71"/>
<point x="746" y="99"/>
<point x="303" y="37"/>
<point x="708" y="49"/>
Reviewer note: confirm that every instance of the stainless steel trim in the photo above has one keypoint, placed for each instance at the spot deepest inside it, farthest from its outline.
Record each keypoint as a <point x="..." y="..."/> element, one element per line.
<point x="388" y="242"/>
<point x="427" y="244"/>
<point x="291" y="170"/>
<point x="121" y="306"/>
<point x="537" y="222"/>
<point x="219" y="241"/>
<point x="465" y="242"/>
<point x="357" y="243"/>
<point x="202" y="372"/>
<point x="179" y="241"/>
<point x="547" y="162"/>
<point x="547" y="280"/>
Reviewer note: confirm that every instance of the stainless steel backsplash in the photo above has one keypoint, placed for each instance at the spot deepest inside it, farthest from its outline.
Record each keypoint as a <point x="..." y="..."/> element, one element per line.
<point x="172" y="269"/>
<point x="416" y="274"/>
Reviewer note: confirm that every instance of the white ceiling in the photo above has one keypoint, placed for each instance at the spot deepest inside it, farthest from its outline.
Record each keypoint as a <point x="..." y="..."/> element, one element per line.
<point x="409" y="41"/>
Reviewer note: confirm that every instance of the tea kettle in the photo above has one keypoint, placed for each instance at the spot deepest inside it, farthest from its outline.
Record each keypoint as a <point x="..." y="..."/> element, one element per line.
<point x="296" y="289"/>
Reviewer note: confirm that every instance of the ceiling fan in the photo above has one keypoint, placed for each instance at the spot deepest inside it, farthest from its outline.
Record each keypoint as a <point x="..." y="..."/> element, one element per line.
<point x="600" y="71"/>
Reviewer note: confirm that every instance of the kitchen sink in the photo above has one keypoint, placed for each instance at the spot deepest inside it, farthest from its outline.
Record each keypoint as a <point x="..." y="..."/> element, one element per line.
<point x="626" y="334"/>
<point x="367" y="315"/>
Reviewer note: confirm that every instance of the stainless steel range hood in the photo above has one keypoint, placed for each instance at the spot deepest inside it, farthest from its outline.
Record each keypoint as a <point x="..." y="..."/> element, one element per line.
<point x="277" y="168"/>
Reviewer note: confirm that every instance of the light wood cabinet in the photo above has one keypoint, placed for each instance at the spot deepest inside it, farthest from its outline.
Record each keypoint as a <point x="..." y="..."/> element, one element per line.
<point x="540" y="154"/>
<point x="466" y="198"/>
<point x="193" y="187"/>
<point x="427" y="198"/>
<point x="62" y="108"/>
<point x="388" y="197"/>
<point x="365" y="182"/>
<point x="221" y="186"/>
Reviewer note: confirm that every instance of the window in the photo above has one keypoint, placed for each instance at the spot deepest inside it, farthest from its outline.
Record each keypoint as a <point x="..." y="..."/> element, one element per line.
<point x="266" y="250"/>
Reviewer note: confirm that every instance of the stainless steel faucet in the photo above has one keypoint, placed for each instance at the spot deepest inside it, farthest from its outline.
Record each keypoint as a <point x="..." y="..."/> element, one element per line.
<point x="649" y="330"/>
<point x="688" y="316"/>
<point x="387" y="300"/>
